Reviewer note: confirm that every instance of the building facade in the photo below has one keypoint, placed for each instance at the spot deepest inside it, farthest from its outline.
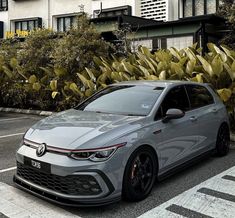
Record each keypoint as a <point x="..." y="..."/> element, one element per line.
<point x="23" y="16"/>
<point x="196" y="22"/>
<point x="20" y="16"/>
<point x="186" y="21"/>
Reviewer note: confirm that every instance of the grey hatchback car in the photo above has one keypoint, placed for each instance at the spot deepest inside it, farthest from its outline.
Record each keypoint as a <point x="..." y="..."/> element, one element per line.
<point x="120" y="140"/>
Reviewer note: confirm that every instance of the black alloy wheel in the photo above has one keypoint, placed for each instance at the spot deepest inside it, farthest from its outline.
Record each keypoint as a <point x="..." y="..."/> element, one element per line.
<point x="140" y="175"/>
<point x="223" y="140"/>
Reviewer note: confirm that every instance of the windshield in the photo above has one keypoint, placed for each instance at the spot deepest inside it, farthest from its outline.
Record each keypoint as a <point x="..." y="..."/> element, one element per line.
<point x="126" y="100"/>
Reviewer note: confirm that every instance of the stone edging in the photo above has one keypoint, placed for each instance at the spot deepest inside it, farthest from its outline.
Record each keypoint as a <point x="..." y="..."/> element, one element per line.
<point x="232" y="137"/>
<point x="26" y="111"/>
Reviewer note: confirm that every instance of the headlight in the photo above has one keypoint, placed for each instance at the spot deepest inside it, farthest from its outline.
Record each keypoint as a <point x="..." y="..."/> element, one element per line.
<point x="96" y="155"/>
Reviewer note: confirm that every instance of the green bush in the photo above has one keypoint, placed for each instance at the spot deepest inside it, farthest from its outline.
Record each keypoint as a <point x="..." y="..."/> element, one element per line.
<point x="9" y="48"/>
<point x="55" y="73"/>
<point x="76" y="49"/>
<point x="46" y="64"/>
<point x="216" y="67"/>
<point x="13" y="95"/>
<point x="36" y="50"/>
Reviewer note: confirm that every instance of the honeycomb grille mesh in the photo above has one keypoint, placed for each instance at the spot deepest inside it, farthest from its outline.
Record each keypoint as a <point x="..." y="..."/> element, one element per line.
<point x="70" y="185"/>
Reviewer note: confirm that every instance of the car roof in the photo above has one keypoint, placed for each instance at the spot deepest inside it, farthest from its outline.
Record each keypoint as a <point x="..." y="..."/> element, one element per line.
<point x="156" y="83"/>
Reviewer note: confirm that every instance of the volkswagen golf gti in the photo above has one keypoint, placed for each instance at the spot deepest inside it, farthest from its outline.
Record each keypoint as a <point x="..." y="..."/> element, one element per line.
<point x="118" y="142"/>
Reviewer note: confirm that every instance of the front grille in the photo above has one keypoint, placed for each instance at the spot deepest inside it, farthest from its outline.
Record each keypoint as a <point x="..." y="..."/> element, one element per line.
<point x="70" y="185"/>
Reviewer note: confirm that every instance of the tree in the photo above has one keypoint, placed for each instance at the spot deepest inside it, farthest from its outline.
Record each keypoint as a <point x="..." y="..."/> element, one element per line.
<point x="77" y="48"/>
<point x="36" y="50"/>
<point x="227" y="10"/>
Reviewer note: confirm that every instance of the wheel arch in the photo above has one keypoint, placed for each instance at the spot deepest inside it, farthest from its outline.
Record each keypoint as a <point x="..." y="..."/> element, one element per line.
<point x="125" y="194"/>
<point x="152" y="149"/>
<point x="225" y="123"/>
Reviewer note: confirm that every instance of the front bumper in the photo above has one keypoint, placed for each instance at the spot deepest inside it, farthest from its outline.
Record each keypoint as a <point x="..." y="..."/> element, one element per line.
<point x="60" y="185"/>
<point x="58" y="198"/>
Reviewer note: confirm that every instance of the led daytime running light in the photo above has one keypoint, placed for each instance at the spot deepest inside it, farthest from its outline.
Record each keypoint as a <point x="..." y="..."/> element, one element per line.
<point x="99" y="154"/>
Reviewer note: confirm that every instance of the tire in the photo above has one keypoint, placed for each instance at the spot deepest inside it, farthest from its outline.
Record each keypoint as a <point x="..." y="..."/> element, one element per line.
<point x="223" y="140"/>
<point x="140" y="175"/>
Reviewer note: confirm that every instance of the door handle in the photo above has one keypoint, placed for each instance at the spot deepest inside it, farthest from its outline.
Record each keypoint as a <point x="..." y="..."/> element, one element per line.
<point x="214" y="110"/>
<point x="193" y="118"/>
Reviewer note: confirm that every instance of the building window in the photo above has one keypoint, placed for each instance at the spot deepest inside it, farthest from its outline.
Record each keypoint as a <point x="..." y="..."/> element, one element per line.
<point x="211" y="6"/>
<point x="65" y="23"/>
<point x="3" y="5"/>
<point x="199" y="7"/>
<point x="188" y="8"/>
<point x="28" y="25"/>
<point x="148" y="43"/>
<point x="111" y="12"/>
<point x="179" y="42"/>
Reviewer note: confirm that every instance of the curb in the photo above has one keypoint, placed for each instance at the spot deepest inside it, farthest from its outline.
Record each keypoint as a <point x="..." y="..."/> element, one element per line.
<point x="26" y="111"/>
<point x="232" y="137"/>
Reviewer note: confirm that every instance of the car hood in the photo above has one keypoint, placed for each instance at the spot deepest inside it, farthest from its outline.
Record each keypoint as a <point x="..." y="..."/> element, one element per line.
<point x="72" y="129"/>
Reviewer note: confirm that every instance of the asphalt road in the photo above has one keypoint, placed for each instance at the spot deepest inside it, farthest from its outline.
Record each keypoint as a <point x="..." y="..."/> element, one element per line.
<point x="13" y="126"/>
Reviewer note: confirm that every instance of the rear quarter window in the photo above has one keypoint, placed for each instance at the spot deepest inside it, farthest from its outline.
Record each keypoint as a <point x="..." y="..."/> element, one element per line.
<point x="199" y="96"/>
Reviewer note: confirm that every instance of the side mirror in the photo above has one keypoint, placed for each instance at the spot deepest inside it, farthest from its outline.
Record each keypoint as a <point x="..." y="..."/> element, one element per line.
<point x="173" y="114"/>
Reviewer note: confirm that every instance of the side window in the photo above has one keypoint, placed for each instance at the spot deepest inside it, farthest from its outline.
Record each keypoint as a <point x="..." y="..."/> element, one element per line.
<point x="199" y="96"/>
<point x="176" y="98"/>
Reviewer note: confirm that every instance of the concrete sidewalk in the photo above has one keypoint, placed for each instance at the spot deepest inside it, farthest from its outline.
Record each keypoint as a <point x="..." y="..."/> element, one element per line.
<point x="213" y="198"/>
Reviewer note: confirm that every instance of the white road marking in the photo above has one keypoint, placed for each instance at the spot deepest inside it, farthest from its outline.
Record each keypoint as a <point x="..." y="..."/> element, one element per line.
<point x="199" y="202"/>
<point x="16" y="203"/>
<point x="10" y="135"/>
<point x="11" y="119"/>
<point x="8" y="169"/>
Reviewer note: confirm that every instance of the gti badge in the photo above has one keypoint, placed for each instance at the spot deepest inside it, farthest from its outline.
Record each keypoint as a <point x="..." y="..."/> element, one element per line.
<point x="41" y="150"/>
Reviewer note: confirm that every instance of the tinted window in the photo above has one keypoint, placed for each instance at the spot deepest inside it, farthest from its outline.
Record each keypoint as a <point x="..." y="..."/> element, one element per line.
<point x="199" y="96"/>
<point x="126" y="100"/>
<point x="176" y="98"/>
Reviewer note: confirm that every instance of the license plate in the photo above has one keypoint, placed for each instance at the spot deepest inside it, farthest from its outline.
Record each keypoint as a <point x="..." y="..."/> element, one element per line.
<point x="37" y="165"/>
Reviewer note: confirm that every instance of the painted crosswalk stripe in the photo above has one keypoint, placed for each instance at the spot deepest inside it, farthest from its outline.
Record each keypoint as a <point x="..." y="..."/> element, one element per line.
<point x="212" y="198"/>
<point x="3" y="216"/>
<point x="8" y="169"/>
<point x="15" y="134"/>
<point x="12" y="119"/>
<point x="17" y="203"/>
<point x="186" y="212"/>
<point x="217" y="194"/>
<point x="232" y="178"/>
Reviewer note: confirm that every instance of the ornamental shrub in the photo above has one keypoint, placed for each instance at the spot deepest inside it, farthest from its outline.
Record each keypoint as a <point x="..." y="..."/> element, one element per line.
<point x="36" y="50"/>
<point x="76" y="49"/>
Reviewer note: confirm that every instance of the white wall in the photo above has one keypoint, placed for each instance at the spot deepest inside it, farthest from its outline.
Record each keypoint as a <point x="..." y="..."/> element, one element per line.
<point x="4" y="19"/>
<point x="69" y="6"/>
<point x="173" y="10"/>
<point x="95" y="5"/>
<point x="46" y="9"/>
<point x="59" y="8"/>
<point x="49" y="10"/>
<point x="28" y="9"/>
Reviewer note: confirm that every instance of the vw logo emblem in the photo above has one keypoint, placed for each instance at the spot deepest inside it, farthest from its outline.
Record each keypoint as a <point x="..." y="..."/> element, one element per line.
<point x="41" y="150"/>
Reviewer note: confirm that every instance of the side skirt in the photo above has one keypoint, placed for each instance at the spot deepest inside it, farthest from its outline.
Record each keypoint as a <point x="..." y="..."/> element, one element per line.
<point x="184" y="165"/>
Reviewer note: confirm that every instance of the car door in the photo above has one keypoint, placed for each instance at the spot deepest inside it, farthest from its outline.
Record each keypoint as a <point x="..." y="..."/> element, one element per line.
<point x="179" y="136"/>
<point x="204" y="112"/>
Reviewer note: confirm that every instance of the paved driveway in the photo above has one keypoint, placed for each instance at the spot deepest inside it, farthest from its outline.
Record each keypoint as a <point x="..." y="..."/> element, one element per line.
<point x="15" y="203"/>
